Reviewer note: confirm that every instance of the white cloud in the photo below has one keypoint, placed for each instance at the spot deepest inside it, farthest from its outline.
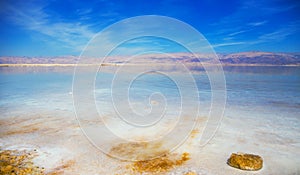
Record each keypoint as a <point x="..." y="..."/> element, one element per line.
<point x="279" y="34"/>
<point x="238" y="32"/>
<point x="254" y="24"/>
<point x="227" y="44"/>
<point x="33" y="17"/>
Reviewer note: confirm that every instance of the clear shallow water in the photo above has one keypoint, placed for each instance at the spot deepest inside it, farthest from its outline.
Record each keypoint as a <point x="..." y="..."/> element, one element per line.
<point x="261" y="114"/>
<point x="274" y="88"/>
<point x="34" y="87"/>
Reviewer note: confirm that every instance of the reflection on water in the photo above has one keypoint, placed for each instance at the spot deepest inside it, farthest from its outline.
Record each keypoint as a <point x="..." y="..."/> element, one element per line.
<point x="276" y="87"/>
<point x="278" y="70"/>
<point x="36" y="69"/>
<point x="270" y="70"/>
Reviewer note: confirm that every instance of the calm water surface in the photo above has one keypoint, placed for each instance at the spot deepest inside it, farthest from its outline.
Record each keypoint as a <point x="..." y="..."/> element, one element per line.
<point x="273" y="88"/>
<point x="261" y="115"/>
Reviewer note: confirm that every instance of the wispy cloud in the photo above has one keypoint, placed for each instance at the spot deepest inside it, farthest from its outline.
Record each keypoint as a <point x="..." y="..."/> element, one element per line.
<point x="249" y="31"/>
<point x="84" y="11"/>
<point x="34" y="18"/>
<point x="235" y="22"/>
<point x="274" y="36"/>
<point x="238" y="32"/>
<point x="254" y="24"/>
<point x="227" y="44"/>
<point x="277" y="35"/>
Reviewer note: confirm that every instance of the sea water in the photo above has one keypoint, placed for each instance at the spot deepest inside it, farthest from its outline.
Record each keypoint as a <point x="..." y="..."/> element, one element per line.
<point x="261" y="114"/>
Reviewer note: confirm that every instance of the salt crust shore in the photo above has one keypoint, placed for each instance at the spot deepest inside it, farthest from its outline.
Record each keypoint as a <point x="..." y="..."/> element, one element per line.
<point x="59" y="141"/>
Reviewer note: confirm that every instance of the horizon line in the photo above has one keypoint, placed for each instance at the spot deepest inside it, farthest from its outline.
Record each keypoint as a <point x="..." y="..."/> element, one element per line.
<point x="225" y="53"/>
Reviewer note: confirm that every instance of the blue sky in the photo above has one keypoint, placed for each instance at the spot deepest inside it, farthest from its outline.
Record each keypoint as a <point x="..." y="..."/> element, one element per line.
<point x="54" y="28"/>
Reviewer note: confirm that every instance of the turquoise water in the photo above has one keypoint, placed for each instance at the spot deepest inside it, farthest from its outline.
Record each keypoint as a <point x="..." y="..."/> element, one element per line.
<point x="27" y="88"/>
<point x="269" y="95"/>
<point x="273" y="88"/>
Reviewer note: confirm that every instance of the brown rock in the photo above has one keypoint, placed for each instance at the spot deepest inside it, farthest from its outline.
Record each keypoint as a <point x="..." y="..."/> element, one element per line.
<point x="243" y="161"/>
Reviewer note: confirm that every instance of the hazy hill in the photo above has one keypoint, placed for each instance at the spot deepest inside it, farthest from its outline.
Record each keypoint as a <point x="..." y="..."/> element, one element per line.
<point x="242" y="58"/>
<point x="261" y="58"/>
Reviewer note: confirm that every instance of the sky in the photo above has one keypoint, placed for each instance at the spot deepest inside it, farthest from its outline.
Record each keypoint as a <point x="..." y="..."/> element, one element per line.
<point x="62" y="27"/>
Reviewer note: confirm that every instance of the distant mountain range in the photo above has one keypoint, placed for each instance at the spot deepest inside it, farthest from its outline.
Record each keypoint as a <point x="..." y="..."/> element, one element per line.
<point x="242" y="58"/>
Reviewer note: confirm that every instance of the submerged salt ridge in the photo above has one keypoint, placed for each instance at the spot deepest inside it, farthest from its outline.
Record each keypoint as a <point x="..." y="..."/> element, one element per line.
<point x="261" y="117"/>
